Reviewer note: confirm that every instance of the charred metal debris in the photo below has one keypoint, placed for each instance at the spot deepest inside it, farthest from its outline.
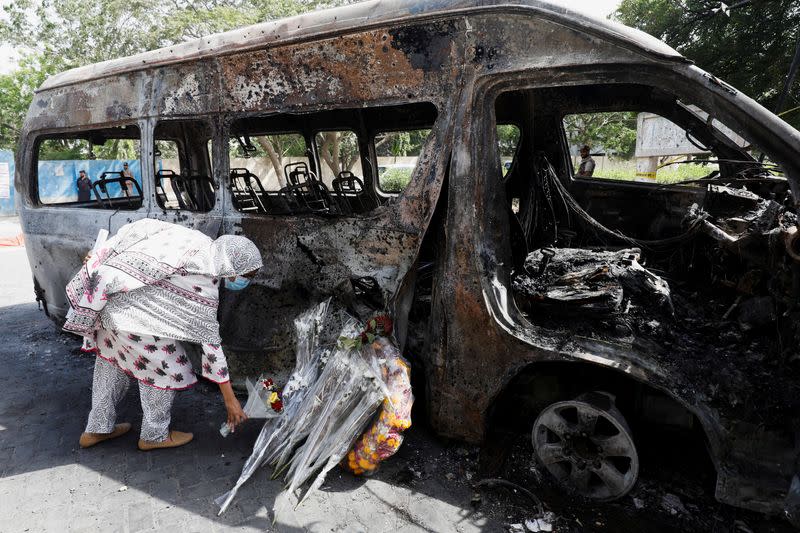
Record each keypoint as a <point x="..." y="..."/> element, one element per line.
<point x="716" y="305"/>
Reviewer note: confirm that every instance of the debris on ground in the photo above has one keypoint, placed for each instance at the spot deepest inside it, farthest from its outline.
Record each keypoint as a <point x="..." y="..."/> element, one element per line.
<point x="542" y="523"/>
<point x="673" y="505"/>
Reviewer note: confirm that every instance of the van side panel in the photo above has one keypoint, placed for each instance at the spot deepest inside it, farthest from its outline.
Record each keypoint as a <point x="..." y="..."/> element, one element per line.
<point x="310" y="257"/>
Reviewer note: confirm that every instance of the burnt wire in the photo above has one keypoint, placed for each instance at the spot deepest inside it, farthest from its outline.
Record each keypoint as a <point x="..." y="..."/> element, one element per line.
<point x="548" y="175"/>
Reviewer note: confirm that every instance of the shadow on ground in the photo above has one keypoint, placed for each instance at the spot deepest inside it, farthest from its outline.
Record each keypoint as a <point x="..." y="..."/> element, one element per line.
<point x="50" y="483"/>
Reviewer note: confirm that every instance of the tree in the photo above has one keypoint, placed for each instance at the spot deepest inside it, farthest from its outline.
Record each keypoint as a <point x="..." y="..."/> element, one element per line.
<point x="16" y="93"/>
<point x="57" y="35"/>
<point x="276" y="147"/>
<point x="614" y="133"/>
<point x="338" y="149"/>
<point x="507" y="139"/>
<point x="751" y="48"/>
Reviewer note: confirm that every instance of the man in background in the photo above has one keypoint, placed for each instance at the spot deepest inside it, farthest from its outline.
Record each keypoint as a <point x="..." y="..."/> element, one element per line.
<point x="84" y="187"/>
<point x="586" y="168"/>
<point x="126" y="184"/>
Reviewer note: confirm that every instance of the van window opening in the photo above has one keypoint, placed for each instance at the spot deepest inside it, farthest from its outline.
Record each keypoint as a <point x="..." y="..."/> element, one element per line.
<point x="647" y="147"/>
<point x="339" y="155"/>
<point x="97" y="169"/>
<point x="322" y="163"/>
<point x="263" y="166"/>
<point x="398" y="155"/>
<point x="635" y="146"/>
<point x="182" y="166"/>
<point x="507" y="144"/>
<point x="615" y="133"/>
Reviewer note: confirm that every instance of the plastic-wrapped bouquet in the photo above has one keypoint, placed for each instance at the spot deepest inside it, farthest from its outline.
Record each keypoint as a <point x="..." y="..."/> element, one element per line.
<point x="343" y="375"/>
<point x="263" y="401"/>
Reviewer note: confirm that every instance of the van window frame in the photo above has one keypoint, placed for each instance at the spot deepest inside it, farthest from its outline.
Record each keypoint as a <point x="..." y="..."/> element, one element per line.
<point x="180" y="144"/>
<point x="371" y="140"/>
<point x="36" y="138"/>
<point x="298" y="132"/>
<point x="585" y="76"/>
<point x="364" y="134"/>
<point x="573" y="177"/>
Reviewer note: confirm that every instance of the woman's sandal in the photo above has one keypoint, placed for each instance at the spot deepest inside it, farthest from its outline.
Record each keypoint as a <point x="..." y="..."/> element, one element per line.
<point x="175" y="439"/>
<point x="90" y="439"/>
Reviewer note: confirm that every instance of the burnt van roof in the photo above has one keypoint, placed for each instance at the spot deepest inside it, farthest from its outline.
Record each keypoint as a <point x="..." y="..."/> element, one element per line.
<point x="376" y="13"/>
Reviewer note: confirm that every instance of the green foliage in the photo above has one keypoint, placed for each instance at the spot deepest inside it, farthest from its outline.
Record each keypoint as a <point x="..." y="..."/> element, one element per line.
<point x="61" y="34"/>
<point x="665" y="175"/>
<point x="615" y="133"/>
<point x="16" y="93"/>
<point x="80" y="149"/>
<point x="394" y="180"/>
<point x="507" y="139"/>
<point x="751" y="49"/>
<point x="63" y="149"/>
<point x="338" y="150"/>
<point x="119" y="149"/>
<point x="400" y="143"/>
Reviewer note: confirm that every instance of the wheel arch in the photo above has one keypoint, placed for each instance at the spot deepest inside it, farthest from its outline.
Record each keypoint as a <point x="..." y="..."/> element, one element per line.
<point x="532" y="386"/>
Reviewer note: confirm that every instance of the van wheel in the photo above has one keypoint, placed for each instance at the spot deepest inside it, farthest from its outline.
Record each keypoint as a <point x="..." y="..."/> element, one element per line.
<point x="587" y="446"/>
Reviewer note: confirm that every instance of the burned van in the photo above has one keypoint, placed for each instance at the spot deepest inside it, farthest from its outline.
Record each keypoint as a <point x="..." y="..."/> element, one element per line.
<point x="421" y="157"/>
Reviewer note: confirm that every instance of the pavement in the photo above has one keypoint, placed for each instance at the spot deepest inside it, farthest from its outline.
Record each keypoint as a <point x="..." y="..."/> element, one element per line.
<point x="48" y="483"/>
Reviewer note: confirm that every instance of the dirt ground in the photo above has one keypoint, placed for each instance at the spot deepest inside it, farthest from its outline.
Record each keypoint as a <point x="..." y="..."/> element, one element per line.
<point x="430" y="485"/>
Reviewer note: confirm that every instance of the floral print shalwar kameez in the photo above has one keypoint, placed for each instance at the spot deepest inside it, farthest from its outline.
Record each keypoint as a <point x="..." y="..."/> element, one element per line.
<point x="151" y="288"/>
<point x="161" y="366"/>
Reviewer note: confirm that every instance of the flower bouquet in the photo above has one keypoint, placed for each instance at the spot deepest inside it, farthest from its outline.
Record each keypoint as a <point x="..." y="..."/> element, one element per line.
<point x="263" y="401"/>
<point x="346" y="374"/>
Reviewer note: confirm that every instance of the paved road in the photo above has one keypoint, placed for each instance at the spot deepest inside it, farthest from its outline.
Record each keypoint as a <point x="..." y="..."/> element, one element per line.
<point x="47" y="483"/>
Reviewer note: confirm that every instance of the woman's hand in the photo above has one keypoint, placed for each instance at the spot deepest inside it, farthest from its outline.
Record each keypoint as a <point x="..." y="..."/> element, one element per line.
<point x="236" y="414"/>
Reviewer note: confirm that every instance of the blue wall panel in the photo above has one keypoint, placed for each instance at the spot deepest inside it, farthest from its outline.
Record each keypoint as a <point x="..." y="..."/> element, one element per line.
<point x="7" y="204"/>
<point x="57" y="179"/>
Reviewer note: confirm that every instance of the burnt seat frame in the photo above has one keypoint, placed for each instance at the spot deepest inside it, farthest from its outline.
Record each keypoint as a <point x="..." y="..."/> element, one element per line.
<point x="101" y="194"/>
<point x="246" y="185"/>
<point x="350" y="195"/>
<point x="182" y="187"/>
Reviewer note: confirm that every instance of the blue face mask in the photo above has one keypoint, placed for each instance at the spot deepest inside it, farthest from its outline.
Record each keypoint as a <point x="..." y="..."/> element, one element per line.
<point x="237" y="284"/>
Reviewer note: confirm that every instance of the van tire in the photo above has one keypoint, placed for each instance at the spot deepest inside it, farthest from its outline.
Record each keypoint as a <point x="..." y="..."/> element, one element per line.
<point x="587" y="446"/>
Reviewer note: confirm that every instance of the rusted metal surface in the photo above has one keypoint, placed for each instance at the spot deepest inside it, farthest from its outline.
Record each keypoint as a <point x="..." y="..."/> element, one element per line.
<point x="351" y="19"/>
<point x="457" y="56"/>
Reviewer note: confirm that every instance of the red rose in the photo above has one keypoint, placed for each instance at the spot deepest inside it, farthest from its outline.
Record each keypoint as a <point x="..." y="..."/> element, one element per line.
<point x="385" y="323"/>
<point x="277" y="406"/>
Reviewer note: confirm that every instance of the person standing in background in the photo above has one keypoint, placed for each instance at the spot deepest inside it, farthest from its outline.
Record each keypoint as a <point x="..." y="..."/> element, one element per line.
<point x="586" y="169"/>
<point x="127" y="184"/>
<point x="84" y="187"/>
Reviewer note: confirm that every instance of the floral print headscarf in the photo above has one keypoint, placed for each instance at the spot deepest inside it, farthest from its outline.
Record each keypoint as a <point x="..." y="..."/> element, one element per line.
<point x="152" y="268"/>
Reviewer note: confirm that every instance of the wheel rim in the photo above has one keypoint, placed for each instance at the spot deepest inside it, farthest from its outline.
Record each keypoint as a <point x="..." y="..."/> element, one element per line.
<point x="587" y="447"/>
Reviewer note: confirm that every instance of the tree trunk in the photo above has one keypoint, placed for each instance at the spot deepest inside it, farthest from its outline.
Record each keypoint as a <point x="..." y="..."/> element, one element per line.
<point x="274" y="157"/>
